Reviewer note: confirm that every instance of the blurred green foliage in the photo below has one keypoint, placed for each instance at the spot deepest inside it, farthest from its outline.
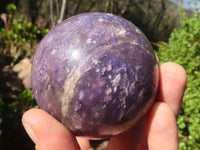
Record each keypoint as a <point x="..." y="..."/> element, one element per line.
<point x="11" y="112"/>
<point x="11" y="8"/>
<point x="21" y="32"/>
<point x="184" y="48"/>
<point x="19" y="36"/>
<point x="18" y="39"/>
<point x="26" y="100"/>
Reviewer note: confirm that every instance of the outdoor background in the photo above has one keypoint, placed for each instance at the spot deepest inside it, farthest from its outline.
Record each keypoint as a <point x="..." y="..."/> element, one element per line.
<point x="173" y="28"/>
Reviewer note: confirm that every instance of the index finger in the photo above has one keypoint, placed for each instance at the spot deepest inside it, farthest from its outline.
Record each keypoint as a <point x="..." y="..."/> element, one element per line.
<point x="172" y="85"/>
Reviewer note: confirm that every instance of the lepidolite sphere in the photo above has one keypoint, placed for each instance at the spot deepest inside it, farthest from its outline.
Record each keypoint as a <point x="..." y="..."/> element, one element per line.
<point x="96" y="73"/>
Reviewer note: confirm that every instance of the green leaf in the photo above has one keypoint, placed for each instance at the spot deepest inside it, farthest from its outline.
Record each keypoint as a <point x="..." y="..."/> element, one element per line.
<point x="11" y="8"/>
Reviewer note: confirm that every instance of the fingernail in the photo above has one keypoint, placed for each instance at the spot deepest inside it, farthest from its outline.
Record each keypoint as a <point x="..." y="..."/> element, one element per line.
<point x="30" y="132"/>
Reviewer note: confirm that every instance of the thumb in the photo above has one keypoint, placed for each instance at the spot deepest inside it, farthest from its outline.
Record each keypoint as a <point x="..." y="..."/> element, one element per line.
<point x="46" y="132"/>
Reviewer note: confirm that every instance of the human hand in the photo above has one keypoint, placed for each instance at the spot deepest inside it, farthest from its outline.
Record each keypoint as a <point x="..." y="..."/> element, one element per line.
<point x="158" y="132"/>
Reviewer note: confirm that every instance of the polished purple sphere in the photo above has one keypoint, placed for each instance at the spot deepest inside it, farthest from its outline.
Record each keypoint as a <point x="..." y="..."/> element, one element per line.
<point x="96" y="73"/>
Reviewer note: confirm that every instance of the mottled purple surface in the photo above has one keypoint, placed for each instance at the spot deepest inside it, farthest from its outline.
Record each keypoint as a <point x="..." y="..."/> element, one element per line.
<point x="96" y="73"/>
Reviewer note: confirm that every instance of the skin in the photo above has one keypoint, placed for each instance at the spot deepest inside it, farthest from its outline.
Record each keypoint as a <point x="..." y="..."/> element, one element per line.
<point x="158" y="130"/>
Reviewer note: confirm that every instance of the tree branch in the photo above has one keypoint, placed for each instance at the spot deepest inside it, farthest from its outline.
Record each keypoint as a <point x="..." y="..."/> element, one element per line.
<point x="62" y="11"/>
<point x="51" y="13"/>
